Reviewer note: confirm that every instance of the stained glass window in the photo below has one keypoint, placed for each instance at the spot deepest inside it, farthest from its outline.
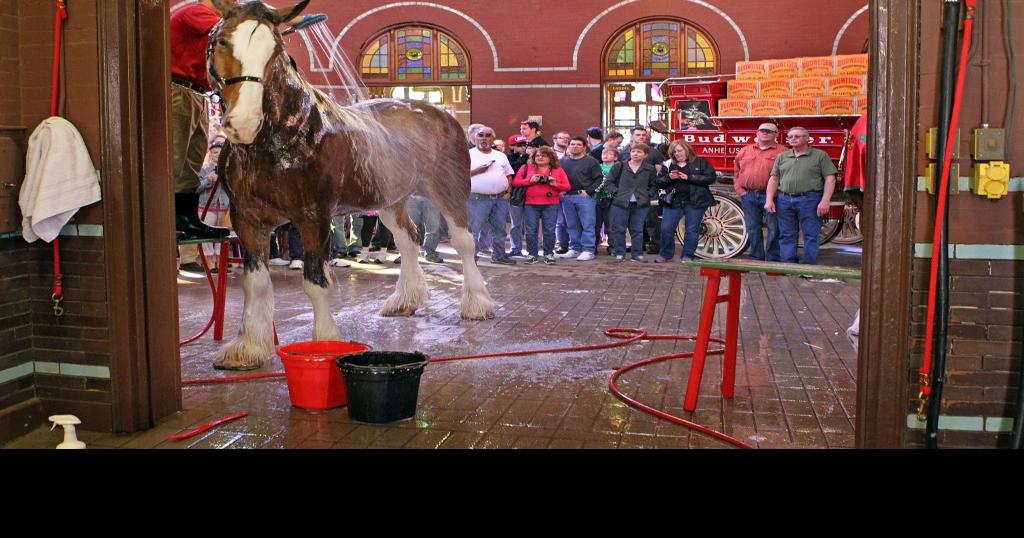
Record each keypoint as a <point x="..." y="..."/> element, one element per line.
<point x="375" y="59"/>
<point x="414" y="54"/>
<point x="700" y="55"/>
<point x="652" y="50"/>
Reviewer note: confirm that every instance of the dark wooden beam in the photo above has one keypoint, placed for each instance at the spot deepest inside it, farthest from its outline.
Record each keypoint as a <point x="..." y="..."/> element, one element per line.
<point x="882" y="376"/>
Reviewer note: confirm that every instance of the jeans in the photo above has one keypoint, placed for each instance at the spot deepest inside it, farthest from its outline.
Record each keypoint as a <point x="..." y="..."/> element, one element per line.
<point x="580" y="218"/>
<point x="339" y="237"/>
<point x="532" y="214"/>
<point x="515" y="233"/>
<point x="604" y="222"/>
<point x="799" y="214"/>
<point x="294" y="240"/>
<point x="632" y="217"/>
<point x="491" y="212"/>
<point x="754" y="214"/>
<point x="561" y="238"/>
<point x="670" y="218"/>
<point x="427" y="217"/>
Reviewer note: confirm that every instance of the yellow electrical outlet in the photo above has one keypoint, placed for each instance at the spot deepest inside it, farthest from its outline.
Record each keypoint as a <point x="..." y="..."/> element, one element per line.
<point x="991" y="180"/>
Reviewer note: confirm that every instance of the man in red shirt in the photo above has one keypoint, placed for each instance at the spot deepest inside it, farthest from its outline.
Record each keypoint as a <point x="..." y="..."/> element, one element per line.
<point x="753" y="168"/>
<point x="190" y="33"/>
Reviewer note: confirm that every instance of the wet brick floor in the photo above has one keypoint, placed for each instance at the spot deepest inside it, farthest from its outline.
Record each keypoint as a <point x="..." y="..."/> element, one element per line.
<point x="795" y="384"/>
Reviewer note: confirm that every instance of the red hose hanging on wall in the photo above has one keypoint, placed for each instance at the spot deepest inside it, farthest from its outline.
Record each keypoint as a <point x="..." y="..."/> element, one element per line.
<point x="940" y="211"/>
<point x="61" y="16"/>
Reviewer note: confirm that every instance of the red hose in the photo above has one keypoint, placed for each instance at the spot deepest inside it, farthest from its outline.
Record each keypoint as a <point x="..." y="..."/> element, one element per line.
<point x="625" y="336"/>
<point x="940" y="211"/>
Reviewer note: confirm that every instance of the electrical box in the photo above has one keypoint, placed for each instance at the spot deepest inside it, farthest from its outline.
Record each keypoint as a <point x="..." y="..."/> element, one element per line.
<point x="933" y="185"/>
<point x="931" y="146"/>
<point x="991" y="180"/>
<point x="988" y="144"/>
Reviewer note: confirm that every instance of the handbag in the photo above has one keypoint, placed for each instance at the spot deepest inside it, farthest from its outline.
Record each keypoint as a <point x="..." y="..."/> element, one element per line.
<point x="518" y="196"/>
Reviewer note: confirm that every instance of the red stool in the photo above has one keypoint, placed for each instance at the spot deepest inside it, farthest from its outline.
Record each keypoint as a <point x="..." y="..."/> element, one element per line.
<point x="732" y="329"/>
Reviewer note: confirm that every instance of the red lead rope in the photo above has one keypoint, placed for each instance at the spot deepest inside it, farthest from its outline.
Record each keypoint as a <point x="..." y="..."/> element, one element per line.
<point x="62" y="14"/>
<point x="940" y="211"/>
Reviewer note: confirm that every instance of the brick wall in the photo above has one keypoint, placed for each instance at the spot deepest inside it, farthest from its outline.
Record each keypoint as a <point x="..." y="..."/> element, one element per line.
<point x="58" y="365"/>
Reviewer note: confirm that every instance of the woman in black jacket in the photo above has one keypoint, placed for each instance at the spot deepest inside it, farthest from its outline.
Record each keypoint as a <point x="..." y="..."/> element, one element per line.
<point x="631" y="185"/>
<point x="685" y="182"/>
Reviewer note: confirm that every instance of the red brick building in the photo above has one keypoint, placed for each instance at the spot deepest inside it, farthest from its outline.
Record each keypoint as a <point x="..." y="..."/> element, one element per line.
<point x="556" y="60"/>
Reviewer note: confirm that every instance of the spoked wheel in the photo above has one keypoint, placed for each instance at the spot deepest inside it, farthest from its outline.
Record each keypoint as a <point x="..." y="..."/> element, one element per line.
<point x="723" y="231"/>
<point x="850" y="233"/>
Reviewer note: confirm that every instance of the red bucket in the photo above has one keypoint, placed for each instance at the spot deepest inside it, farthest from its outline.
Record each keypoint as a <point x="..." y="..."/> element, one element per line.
<point x="314" y="379"/>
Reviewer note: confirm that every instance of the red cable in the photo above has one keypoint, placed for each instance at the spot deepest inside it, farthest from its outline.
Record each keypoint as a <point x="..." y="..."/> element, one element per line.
<point x="940" y="211"/>
<point x="203" y="427"/>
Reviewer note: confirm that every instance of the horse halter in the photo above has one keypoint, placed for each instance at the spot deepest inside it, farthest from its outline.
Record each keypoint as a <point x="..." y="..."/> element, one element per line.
<point x="219" y="81"/>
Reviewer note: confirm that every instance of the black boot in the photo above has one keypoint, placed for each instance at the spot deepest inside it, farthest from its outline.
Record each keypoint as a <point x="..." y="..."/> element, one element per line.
<point x="186" y="208"/>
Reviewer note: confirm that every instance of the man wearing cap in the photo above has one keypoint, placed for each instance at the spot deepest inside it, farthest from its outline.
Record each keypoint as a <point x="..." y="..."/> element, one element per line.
<point x="753" y="167"/>
<point x="517" y="156"/>
<point x="595" y="141"/>
<point x="804" y="178"/>
<point x="491" y="176"/>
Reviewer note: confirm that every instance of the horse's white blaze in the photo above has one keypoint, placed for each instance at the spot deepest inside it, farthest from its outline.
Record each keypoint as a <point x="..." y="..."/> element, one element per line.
<point x="253" y="45"/>
<point x="324" y="327"/>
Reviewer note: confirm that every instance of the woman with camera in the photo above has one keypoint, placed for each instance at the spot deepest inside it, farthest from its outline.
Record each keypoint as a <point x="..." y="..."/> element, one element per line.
<point x="685" y="182"/>
<point x="544" y="179"/>
<point x="630" y="184"/>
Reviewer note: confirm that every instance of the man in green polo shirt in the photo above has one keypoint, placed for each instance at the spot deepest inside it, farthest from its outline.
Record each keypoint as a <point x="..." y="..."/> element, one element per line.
<point x="804" y="178"/>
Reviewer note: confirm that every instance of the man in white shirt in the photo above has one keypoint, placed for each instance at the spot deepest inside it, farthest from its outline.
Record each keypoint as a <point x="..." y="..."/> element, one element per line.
<point x="491" y="176"/>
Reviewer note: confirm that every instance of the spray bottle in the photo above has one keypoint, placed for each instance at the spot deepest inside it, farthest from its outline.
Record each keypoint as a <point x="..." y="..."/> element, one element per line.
<point x="68" y="422"/>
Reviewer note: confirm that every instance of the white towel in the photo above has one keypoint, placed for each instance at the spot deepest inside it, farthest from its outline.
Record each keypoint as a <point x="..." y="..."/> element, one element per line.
<point x="59" y="179"/>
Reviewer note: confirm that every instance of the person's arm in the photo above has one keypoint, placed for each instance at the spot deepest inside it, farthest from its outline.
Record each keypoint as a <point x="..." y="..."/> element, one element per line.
<point x="826" y="195"/>
<point x="561" y="180"/>
<point x="480" y="169"/>
<point x="773" y="187"/>
<point x="705" y="177"/>
<point x="521" y="180"/>
<point x="737" y="166"/>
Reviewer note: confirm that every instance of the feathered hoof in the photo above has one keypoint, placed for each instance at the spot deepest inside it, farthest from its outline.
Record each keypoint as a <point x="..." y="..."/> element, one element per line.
<point x="397" y="306"/>
<point x="239" y="356"/>
<point x="476" y="308"/>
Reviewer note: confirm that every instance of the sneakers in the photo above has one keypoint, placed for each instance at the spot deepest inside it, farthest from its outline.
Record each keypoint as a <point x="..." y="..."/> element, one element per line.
<point x="549" y="259"/>
<point x="638" y="259"/>
<point x="191" y="267"/>
<point x="659" y="259"/>
<point x="295" y="265"/>
<point x="278" y="262"/>
<point x="585" y="256"/>
<point x="434" y="258"/>
<point x="620" y="258"/>
<point x="569" y="254"/>
<point x="561" y="250"/>
<point x="532" y="260"/>
<point x="397" y="260"/>
<point x="338" y="262"/>
<point x="503" y="261"/>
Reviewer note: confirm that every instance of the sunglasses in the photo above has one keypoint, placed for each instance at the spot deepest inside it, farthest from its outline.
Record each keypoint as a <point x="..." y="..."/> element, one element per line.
<point x="796" y="136"/>
<point x="766" y="131"/>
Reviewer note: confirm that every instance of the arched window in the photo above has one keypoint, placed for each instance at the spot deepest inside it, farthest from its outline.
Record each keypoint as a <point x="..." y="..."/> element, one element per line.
<point x="659" y="49"/>
<point x="412" y="55"/>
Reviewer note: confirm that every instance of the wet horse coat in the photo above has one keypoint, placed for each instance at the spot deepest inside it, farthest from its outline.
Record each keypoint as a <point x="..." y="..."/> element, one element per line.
<point x="295" y="154"/>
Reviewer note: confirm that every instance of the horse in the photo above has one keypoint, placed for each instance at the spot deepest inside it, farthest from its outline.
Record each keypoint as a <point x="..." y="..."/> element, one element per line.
<point x="293" y="153"/>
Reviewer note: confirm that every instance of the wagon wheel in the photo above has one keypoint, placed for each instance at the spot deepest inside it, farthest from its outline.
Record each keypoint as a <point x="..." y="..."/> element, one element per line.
<point x="723" y="231"/>
<point x="850" y="233"/>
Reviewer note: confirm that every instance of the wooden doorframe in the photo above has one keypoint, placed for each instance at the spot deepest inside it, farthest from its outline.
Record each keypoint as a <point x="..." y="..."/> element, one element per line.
<point x="137" y="211"/>
<point x="883" y="369"/>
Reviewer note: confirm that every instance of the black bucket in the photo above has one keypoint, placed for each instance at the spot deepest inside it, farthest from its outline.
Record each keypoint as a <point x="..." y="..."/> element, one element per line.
<point x="382" y="385"/>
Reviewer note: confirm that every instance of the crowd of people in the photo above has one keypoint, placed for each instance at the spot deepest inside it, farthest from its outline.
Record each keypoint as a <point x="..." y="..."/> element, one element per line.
<point x="539" y="202"/>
